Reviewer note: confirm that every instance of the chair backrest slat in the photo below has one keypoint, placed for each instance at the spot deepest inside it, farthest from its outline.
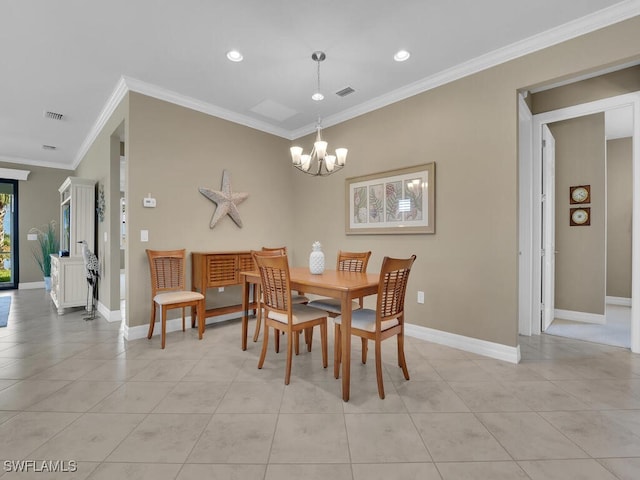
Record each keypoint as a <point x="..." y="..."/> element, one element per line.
<point x="353" y="261"/>
<point x="394" y="276"/>
<point x="167" y="270"/>
<point x="275" y="250"/>
<point x="274" y="279"/>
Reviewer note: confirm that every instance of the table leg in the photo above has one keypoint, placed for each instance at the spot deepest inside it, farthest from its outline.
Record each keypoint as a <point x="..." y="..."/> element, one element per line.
<point x="245" y="312"/>
<point x="345" y="330"/>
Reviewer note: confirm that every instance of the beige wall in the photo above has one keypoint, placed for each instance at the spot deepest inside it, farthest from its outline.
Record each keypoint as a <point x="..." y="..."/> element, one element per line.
<point x="580" y="271"/>
<point x="102" y="164"/>
<point x="468" y="269"/>
<point x="619" y="209"/>
<point x="171" y="151"/>
<point x="604" y="86"/>
<point x="39" y="203"/>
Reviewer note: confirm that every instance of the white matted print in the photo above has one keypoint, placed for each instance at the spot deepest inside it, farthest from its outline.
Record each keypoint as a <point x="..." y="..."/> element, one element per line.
<point x="397" y="201"/>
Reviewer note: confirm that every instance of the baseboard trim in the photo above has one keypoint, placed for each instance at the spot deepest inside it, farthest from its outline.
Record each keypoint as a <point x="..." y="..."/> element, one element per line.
<point x="173" y="325"/>
<point x="580" y="316"/>
<point x="622" y="301"/>
<point x="468" y="344"/>
<point x="30" y="285"/>
<point x="109" y="315"/>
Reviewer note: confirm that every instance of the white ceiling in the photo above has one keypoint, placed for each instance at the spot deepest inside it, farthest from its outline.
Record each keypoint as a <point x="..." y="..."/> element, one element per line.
<point x="74" y="56"/>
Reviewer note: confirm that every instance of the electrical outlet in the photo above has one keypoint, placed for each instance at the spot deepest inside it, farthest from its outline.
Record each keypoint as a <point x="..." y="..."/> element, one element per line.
<point x="220" y="289"/>
<point x="420" y="297"/>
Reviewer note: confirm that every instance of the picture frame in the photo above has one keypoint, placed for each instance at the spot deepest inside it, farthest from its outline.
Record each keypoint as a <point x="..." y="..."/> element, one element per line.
<point x="579" y="194"/>
<point x="580" y="217"/>
<point x="400" y="201"/>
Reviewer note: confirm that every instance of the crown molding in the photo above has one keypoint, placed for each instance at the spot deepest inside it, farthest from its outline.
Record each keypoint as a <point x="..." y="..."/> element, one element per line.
<point x="589" y="23"/>
<point x="113" y="101"/>
<point x="170" y="96"/>
<point x="597" y="20"/>
<point x="35" y="163"/>
<point x="14" y="174"/>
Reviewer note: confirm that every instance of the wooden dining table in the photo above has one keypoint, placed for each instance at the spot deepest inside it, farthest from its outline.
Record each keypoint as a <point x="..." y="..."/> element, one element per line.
<point x="346" y="286"/>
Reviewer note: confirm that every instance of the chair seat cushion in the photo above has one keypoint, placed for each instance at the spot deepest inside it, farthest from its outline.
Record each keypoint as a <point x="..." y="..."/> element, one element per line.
<point x="167" y="298"/>
<point x="301" y="314"/>
<point x="332" y="305"/>
<point x="365" y="319"/>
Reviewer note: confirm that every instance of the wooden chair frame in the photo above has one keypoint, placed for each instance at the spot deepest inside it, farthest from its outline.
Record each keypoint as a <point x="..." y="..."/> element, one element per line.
<point x="276" y="288"/>
<point x="167" y="268"/>
<point x="394" y="276"/>
<point x="300" y="299"/>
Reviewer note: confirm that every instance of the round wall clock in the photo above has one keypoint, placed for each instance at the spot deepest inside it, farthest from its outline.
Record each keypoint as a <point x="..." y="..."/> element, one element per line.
<point x="580" y="216"/>
<point x="580" y="194"/>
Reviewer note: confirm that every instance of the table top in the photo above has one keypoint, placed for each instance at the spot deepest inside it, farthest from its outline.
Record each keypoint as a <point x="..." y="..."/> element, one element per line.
<point x="333" y="279"/>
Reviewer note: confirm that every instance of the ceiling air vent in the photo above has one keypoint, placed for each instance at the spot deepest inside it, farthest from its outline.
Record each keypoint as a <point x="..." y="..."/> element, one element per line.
<point x="345" y="91"/>
<point x="49" y="147"/>
<point x="53" y="115"/>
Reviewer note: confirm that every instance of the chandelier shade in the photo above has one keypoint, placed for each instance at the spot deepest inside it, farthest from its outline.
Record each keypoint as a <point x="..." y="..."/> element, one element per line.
<point x="318" y="162"/>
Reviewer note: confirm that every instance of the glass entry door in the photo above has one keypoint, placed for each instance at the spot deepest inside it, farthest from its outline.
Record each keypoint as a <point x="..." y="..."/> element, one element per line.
<point x="8" y="234"/>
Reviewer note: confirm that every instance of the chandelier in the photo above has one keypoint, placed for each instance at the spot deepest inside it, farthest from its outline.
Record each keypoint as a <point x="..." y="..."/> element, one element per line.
<point x="318" y="162"/>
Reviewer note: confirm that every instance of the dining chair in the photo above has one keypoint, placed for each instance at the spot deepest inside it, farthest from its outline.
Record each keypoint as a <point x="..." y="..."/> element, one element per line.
<point x="347" y="262"/>
<point x="295" y="297"/>
<point x="385" y="321"/>
<point x="280" y="312"/>
<point x="168" y="289"/>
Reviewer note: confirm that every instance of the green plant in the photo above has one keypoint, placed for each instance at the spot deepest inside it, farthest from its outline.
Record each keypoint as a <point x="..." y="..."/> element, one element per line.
<point x="47" y="244"/>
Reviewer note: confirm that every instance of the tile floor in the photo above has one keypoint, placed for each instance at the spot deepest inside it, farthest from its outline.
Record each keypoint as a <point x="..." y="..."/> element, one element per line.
<point x="75" y="390"/>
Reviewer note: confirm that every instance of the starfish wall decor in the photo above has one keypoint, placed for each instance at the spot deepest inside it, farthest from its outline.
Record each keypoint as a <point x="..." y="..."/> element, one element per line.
<point x="226" y="201"/>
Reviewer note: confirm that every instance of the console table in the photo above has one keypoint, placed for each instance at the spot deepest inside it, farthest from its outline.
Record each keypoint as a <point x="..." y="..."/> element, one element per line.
<point x="220" y="269"/>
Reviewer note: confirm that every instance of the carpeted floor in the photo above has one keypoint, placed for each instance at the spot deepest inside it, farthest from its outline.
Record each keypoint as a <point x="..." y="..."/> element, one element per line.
<point x="5" y="305"/>
<point x="617" y="331"/>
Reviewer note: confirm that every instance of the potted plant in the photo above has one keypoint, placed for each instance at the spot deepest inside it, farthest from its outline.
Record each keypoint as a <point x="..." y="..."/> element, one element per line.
<point x="47" y="244"/>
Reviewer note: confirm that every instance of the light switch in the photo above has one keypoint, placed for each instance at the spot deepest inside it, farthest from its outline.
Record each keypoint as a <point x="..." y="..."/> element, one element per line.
<point x="105" y="237"/>
<point x="32" y="236"/>
<point x="144" y="235"/>
<point x="420" y="297"/>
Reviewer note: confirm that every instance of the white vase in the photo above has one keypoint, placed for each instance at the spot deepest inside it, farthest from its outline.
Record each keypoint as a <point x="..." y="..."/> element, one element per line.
<point x="47" y="284"/>
<point x="316" y="259"/>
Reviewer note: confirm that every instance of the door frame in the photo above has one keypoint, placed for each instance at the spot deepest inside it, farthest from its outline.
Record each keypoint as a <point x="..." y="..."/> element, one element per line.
<point x="15" y="236"/>
<point x="534" y="201"/>
<point x="548" y="234"/>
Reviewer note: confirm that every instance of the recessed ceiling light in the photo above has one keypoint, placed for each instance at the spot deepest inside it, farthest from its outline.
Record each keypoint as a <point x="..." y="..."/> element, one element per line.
<point x="401" y="56"/>
<point x="234" y="56"/>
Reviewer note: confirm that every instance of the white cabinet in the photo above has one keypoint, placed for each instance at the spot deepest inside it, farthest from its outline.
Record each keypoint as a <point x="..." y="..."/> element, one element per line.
<point x="68" y="282"/>
<point x="77" y="223"/>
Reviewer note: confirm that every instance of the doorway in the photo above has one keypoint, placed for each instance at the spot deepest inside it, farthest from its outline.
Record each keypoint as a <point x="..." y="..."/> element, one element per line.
<point x="8" y="234"/>
<point x="541" y="223"/>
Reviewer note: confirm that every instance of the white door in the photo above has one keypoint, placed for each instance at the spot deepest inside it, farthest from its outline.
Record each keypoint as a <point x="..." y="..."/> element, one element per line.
<point x="548" y="254"/>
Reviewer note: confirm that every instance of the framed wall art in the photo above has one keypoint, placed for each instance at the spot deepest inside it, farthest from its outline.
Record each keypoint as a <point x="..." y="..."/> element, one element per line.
<point x="580" y="194"/>
<point x="580" y="217"/>
<point x="394" y="202"/>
